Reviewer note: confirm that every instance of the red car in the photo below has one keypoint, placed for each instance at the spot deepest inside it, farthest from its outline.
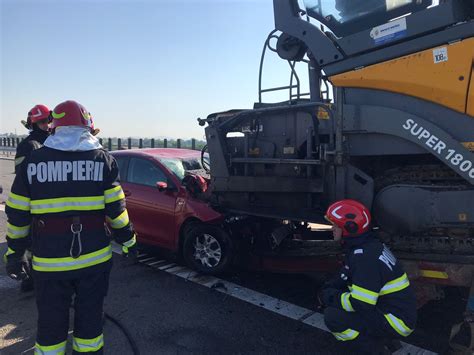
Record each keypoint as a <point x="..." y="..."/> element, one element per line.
<point x="166" y="213"/>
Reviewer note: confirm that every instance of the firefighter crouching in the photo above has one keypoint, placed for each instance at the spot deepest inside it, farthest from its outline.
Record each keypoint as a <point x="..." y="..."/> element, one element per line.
<point x="64" y="193"/>
<point x="371" y="299"/>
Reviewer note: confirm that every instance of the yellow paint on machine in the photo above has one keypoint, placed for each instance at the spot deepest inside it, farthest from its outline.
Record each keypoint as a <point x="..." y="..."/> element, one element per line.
<point x="422" y="75"/>
<point x="468" y="145"/>
<point x="470" y="98"/>
<point x="433" y="274"/>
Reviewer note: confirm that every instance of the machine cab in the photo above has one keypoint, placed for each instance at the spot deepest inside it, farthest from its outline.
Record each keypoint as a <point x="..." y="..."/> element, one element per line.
<point x="345" y="17"/>
<point x="358" y="33"/>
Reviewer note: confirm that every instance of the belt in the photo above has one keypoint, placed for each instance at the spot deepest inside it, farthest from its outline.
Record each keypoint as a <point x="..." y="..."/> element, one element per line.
<point x="62" y="225"/>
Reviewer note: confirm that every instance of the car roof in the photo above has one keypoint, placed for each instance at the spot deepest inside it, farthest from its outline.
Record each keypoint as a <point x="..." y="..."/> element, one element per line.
<point x="160" y="152"/>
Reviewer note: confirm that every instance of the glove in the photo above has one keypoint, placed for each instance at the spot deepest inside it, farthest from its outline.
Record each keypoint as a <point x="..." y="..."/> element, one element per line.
<point x="16" y="269"/>
<point x="130" y="252"/>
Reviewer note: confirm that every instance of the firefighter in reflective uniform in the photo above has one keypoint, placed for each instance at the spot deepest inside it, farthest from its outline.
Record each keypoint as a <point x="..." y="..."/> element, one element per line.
<point x="64" y="193"/>
<point x="371" y="300"/>
<point x="37" y="123"/>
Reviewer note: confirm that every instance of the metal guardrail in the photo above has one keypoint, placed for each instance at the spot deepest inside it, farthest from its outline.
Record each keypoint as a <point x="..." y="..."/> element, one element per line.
<point x="8" y="144"/>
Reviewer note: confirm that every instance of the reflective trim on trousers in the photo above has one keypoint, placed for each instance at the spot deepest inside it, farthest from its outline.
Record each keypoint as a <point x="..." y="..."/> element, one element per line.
<point x="18" y="202"/>
<point x="346" y="302"/>
<point x="15" y="232"/>
<point x="63" y="204"/>
<point x="57" y="349"/>
<point x="119" y="222"/>
<point x="395" y="285"/>
<point x="114" y="194"/>
<point x="348" y="334"/>
<point x="9" y="252"/>
<point x="88" y="345"/>
<point x="68" y="263"/>
<point x="397" y="324"/>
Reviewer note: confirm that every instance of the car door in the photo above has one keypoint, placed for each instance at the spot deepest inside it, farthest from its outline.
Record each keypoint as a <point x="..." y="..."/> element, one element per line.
<point x="151" y="211"/>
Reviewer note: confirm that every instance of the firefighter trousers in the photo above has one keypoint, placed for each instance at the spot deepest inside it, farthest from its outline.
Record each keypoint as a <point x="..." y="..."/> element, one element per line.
<point x="54" y="299"/>
<point x="360" y="334"/>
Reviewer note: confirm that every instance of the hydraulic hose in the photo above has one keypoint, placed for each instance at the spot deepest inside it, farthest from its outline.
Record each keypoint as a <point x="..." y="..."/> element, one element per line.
<point x="125" y="331"/>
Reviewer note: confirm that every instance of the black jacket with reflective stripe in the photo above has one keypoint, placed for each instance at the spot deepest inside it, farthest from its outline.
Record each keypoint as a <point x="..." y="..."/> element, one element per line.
<point x="369" y="267"/>
<point x="62" y="184"/>
<point x="34" y="141"/>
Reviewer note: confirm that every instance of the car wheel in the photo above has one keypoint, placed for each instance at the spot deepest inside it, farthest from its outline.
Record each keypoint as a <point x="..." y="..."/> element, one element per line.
<point x="207" y="249"/>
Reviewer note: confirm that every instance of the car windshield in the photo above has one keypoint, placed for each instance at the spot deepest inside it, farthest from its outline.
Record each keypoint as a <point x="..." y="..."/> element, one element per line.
<point x="179" y="166"/>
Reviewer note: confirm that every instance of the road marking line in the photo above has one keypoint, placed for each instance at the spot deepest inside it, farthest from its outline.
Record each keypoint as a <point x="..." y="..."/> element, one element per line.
<point x="165" y="267"/>
<point x="283" y="308"/>
<point x="186" y="274"/>
<point x="146" y="259"/>
<point x="163" y="263"/>
<point x="176" y="269"/>
<point x="156" y="262"/>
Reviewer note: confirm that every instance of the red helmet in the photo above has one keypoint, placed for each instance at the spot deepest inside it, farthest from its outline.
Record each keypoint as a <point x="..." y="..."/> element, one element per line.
<point x="71" y="113"/>
<point x="349" y="215"/>
<point x="38" y="113"/>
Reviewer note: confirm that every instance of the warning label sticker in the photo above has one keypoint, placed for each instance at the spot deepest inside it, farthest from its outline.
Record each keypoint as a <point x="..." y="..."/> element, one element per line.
<point x="440" y="55"/>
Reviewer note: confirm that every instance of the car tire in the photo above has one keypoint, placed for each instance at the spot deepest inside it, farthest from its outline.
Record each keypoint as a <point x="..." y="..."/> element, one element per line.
<point x="208" y="249"/>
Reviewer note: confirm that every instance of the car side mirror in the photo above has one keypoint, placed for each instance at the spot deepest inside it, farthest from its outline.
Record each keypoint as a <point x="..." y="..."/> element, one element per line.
<point x="162" y="186"/>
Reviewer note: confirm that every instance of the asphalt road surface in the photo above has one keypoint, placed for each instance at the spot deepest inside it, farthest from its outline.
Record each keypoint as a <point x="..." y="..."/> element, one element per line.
<point x="169" y="309"/>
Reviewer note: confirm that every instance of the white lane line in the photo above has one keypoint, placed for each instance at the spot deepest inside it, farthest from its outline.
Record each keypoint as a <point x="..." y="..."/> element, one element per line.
<point x="269" y="303"/>
<point x="156" y="262"/>
<point x="176" y="269"/>
<point x="166" y="267"/>
<point x="186" y="274"/>
<point x="147" y="259"/>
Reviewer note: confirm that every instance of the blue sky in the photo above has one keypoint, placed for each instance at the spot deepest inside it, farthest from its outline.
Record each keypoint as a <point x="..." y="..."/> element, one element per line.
<point x="143" y="68"/>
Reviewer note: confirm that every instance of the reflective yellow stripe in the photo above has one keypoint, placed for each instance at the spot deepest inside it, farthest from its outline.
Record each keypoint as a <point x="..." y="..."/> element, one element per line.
<point x="9" y="252"/>
<point x="114" y="194"/>
<point x="58" y="349"/>
<point x="397" y="324"/>
<point x="346" y="302"/>
<point x="63" y="204"/>
<point x="18" y="202"/>
<point x="120" y="221"/>
<point x="58" y="115"/>
<point x="434" y="274"/>
<point x="15" y="232"/>
<point x="88" y="345"/>
<point x="348" y="334"/>
<point x="131" y="242"/>
<point x="68" y="263"/>
<point x="364" y="295"/>
<point x="395" y="285"/>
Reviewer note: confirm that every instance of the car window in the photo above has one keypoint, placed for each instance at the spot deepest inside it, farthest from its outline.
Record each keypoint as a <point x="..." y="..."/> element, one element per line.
<point x="144" y="172"/>
<point x="122" y="165"/>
